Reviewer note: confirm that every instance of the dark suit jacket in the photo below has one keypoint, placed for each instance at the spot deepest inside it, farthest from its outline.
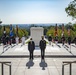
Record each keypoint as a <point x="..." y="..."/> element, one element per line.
<point x="31" y="46"/>
<point x="42" y="44"/>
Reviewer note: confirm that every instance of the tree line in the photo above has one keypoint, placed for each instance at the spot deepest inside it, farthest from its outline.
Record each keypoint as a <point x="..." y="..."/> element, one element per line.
<point x="47" y="30"/>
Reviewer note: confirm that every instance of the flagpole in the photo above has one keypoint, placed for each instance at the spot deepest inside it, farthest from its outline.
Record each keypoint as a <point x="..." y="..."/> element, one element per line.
<point x="56" y="30"/>
<point x="69" y="34"/>
<point x="16" y="30"/>
<point x="70" y="43"/>
<point x="0" y="24"/>
<point x="3" y="33"/>
<point x="62" y="35"/>
<point x="56" y="35"/>
<point x="11" y="33"/>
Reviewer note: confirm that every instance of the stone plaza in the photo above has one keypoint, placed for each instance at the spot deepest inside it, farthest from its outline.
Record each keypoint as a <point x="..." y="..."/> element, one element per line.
<point x="54" y="57"/>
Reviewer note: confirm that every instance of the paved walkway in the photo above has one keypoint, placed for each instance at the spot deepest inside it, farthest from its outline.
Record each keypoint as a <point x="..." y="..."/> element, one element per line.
<point x="50" y="50"/>
<point x="51" y="66"/>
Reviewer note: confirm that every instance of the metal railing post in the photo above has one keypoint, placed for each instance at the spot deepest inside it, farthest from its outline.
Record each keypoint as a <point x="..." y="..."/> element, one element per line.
<point x="10" y="69"/>
<point x="70" y="69"/>
<point x="63" y="69"/>
<point x="2" y="69"/>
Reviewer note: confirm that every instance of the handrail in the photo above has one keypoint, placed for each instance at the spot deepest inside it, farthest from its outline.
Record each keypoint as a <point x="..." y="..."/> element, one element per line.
<point x="5" y="62"/>
<point x="69" y="61"/>
<point x="8" y="64"/>
<point x="70" y="66"/>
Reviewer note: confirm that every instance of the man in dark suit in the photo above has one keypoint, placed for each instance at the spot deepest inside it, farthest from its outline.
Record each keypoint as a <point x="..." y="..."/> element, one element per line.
<point x="31" y="47"/>
<point x="42" y="45"/>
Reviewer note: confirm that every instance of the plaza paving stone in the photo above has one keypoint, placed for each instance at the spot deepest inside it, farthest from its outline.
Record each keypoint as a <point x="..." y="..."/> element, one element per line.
<point x="51" y="66"/>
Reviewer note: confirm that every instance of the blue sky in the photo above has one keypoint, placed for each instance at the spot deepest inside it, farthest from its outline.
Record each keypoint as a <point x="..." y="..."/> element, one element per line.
<point x="34" y="11"/>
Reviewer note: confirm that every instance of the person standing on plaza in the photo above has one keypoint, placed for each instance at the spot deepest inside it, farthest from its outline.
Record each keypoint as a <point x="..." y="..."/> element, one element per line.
<point x="69" y="40"/>
<point x="63" y="40"/>
<point x="23" y="40"/>
<point x="56" y="39"/>
<point x="7" y="40"/>
<point x="42" y="45"/>
<point x="17" y="40"/>
<point x="31" y="48"/>
<point x="0" y="41"/>
<point x="49" y="39"/>
<point x="10" y="41"/>
<point x="13" y="41"/>
<point x="75" y="41"/>
<point x="3" y="41"/>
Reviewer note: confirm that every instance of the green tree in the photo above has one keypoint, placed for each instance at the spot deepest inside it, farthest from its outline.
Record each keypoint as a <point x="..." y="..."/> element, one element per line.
<point x="71" y="9"/>
<point x="74" y="27"/>
<point x="51" y="31"/>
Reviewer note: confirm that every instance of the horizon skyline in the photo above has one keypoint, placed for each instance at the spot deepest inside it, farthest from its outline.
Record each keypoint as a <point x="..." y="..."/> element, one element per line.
<point x="34" y="11"/>
<point x="36" y="23"/>
<point x="45" y="24"/>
